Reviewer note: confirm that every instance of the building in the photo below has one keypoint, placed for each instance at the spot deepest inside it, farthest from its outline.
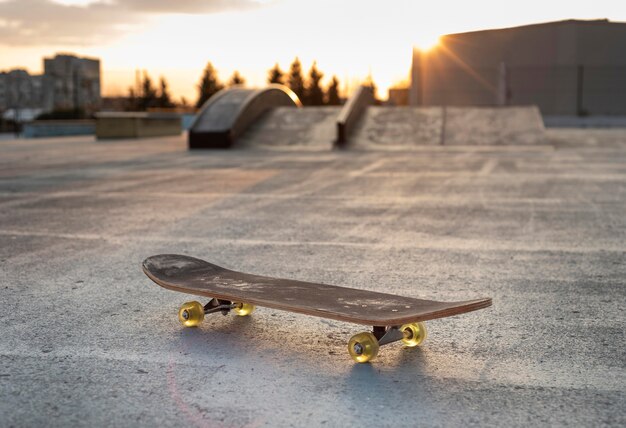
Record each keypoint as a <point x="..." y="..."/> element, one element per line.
<point x="20" y="89"/>
<point x="72" y="83"/>
<point x="566" y="68"/>
<point x="398" y="96"/>
<point x="68" y="82"/>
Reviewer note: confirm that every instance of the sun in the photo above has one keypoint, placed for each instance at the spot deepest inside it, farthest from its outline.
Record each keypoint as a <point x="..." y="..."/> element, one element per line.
<point x="426" y="42"/>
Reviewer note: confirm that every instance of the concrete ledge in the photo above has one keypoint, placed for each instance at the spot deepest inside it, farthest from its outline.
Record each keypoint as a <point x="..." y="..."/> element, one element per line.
<point x="136" y="125"/>
<point x="230" y="112"/>
<point x="512" y="125"/>
<point x="352" y="112"/>
<point x="585" y="122"/>
<point x="451" y="126"/>
<point x="58" y="128"/>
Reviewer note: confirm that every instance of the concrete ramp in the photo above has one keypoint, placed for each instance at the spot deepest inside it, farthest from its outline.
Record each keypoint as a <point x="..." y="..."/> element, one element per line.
<point x="477" y="126"/>
<point x="229" y="113"/>
<point x="284" y="127"/>
<point x="398" y="126"/>
<point x="402" y="127"/>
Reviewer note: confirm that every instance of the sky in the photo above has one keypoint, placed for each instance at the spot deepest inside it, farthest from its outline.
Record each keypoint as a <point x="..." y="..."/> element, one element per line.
<point x="175" y="38"/>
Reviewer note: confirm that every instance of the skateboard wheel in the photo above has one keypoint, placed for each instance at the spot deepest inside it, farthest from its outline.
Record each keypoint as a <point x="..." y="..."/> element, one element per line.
<point x="414" y="334"/>
<point x="363" y="347"/>
<point x="191" y="314"/>
<point x="243" y="309"/>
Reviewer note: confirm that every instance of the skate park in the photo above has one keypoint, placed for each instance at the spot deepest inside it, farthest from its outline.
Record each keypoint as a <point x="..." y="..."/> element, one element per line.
<point x="273" y="117"/>
<point x="441" y="201"/>
<point x="538" y="227"/>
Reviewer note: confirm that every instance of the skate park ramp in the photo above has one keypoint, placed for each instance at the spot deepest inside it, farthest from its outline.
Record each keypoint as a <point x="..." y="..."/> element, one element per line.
<point x="284" y="127"/>
<point x="406" y="127"/>
<point x="475" y="126"/>
<point x="398" y="126"/>
<point x="230" y="112"/>
<point x="270" y="118"/>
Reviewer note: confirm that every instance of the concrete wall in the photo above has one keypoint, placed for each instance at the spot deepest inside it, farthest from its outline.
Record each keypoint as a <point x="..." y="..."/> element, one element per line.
<point x="58" y="128"/>
<point x="566" y="68"/>
<point x="136" y="125"/>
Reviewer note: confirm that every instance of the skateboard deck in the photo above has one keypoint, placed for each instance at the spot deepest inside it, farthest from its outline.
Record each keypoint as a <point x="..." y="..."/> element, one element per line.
<point x="194" y="276"/>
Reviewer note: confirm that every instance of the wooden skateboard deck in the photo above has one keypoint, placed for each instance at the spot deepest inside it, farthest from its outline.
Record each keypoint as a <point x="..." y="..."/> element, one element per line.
<point x="194" y="276"/>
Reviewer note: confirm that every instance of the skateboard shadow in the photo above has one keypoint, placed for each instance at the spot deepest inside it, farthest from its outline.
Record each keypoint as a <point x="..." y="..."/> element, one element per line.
<point x="402" y="383"/>
<point x="247" y="337"/>
<point x="400" y="362"/>
<point x="400" y="380"/>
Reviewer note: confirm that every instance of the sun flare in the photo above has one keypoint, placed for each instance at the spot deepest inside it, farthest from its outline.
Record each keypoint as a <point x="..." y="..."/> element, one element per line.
<point x="426" y="42"/>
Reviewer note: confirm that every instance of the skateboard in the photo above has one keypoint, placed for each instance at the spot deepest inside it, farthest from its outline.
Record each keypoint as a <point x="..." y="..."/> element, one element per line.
<point x="393" y="318"/>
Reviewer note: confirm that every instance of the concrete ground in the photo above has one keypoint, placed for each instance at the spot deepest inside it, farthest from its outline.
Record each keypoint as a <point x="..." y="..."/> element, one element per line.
<point x="87" y="339"/>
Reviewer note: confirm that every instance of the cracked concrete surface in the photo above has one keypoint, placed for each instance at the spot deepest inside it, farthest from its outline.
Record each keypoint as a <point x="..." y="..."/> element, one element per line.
<point x="87" y="339"/>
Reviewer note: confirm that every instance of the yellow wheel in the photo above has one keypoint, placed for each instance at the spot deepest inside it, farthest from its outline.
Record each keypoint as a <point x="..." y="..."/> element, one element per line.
<point x="414" y="334"/>
<point x="243" y="309"/>
<point x="363" y="347"/>
<point x="191" y="314"/>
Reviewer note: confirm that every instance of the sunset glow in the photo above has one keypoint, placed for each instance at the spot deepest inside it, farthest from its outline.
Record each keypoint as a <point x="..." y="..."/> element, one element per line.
<point x="349" y="39"/>
<point x="427" y="43"/>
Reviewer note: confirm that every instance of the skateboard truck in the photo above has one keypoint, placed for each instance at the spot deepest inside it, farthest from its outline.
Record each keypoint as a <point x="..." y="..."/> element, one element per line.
<point x="387" y="335"/>
<point x="191" y="314"/>
<point x="364" y="346"/>
<point x="217" y="305"/>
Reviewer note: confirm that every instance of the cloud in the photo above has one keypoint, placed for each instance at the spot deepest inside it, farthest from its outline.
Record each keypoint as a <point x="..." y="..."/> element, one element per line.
<point x="45" y="22"/>
<point x="188" y="6"/>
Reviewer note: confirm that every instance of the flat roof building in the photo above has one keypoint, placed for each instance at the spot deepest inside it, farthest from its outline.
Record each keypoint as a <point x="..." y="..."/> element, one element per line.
<point x="566" y="68"/>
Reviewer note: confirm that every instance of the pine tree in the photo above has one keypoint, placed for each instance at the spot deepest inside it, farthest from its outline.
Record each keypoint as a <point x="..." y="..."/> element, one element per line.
<point x="275" y="75"/>
<point x="236" y="79"/>
<point x="332" y="95"/>
<point x="164" y="100"/>
<point x="209" y="85"/>
<point x="296" y="81"/>
<point x="369" y="83"/>
<point x="131" y="101"/>
<point x="314" y="94"/>
<point x="148" y="96"/>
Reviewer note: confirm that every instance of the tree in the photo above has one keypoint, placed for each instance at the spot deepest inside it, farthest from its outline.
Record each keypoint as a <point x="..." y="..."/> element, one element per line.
<point x="143" y="96"/>
<point x="164" y="100"/>
<point x="295" y="80"/>
<point x="314" y="94"/>
<point x="369" y="83"/>
<point x="332" y="95"/>
<point x="236" y="79"/>
<point x="131" y="104"/>
<point x="275" y="75"/>
<point x="209" y="84"/>
<point x="148" y="96"/>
